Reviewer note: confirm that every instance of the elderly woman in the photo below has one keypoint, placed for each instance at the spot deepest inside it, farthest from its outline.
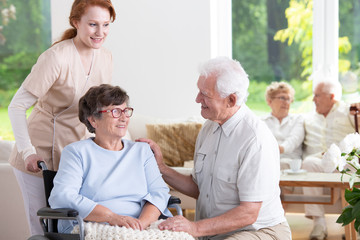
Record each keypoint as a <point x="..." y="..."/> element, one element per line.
<point x="288" y="129"/>
<point x="107" y="178"/>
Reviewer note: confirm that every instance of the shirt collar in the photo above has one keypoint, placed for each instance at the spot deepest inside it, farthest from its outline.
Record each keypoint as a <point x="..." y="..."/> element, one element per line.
<point x="270" y="116"/>
<point x="334" y="107"/>
<point x="231" y="123"/>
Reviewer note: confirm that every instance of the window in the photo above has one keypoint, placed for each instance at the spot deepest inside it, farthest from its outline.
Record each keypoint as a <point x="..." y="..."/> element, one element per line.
<point x="25" y="32"/>
<point x="298" y="41"/>
<point x="349" y="20"/>
<point x="255" y="24"/>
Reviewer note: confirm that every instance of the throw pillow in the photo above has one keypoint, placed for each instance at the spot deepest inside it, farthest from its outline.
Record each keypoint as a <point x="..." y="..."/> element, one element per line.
<point x="176" y="141"/>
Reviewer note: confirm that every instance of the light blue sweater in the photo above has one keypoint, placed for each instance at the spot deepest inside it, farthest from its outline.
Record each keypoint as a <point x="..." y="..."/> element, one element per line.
<point x="122" y="181"/>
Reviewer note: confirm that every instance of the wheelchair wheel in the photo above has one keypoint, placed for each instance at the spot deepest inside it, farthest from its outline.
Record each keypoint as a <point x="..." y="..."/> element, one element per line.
<point x="38" y="237"/>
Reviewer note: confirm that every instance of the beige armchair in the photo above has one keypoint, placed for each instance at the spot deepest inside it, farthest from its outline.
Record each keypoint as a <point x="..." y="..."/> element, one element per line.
<point x="13" y="220"/>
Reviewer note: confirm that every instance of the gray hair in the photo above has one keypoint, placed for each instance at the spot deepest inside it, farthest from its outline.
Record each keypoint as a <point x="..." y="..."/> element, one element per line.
<point x="331" y="87"/>
<point x="230" y="77"/>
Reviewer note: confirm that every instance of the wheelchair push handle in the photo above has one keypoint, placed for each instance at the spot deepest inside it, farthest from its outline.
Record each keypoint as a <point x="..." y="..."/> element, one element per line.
<point x="42" y="165"/>
<point x="354" y="108"/>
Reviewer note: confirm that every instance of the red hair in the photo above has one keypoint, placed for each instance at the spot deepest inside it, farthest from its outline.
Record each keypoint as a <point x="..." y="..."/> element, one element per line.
<point x="78" y="9"/>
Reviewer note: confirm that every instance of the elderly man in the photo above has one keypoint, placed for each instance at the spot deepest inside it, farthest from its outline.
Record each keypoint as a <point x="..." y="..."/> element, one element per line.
<point x="331" y="122"/>
<point x="236" y="164"/>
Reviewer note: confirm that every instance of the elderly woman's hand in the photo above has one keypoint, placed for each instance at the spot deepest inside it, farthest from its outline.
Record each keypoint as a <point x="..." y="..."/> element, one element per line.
<point x="103" y="214"/>
<point x="126" y="221"/>
<point x="156" y="150"/>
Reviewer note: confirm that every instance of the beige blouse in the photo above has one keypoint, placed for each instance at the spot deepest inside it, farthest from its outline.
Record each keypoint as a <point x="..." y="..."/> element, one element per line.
<point x="58" y="80"/>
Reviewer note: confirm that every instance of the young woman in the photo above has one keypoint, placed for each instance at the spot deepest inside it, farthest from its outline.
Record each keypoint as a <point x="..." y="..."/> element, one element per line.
<point x="62" y="74"/>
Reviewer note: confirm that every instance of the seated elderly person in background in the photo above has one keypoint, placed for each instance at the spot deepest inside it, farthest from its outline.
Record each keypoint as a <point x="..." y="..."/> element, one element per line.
<point x="288" y="129"/>
<point x="106" y="178"/>
<point x="331" y="122"/>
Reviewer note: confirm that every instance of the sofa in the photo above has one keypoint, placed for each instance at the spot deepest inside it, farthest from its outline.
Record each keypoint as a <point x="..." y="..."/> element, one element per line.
<point x="13" y="220"/>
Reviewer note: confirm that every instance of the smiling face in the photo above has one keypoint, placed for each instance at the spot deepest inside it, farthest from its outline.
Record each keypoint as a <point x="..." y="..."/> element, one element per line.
<point x="93" y="27"/>
<point x="108" y="127"/>
<point x="280" y="105"/>
<point x="213" y="107"/>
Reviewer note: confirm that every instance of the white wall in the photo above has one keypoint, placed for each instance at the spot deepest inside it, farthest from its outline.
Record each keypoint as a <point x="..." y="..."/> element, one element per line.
<point x="157" y="47"/>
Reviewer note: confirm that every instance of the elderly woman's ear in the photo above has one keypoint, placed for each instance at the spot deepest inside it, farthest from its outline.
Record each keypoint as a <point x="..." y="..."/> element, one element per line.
<point x="268" y="101"/>
<point x="91" y="120"/>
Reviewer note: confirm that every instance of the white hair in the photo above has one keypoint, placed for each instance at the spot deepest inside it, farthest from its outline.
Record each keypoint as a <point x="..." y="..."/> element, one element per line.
<point x="331" y="87"/>
<point x="230" y="77"/>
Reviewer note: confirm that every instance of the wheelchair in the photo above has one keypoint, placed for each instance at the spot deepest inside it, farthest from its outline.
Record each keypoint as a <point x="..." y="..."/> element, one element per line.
<point x="48" y="217"/>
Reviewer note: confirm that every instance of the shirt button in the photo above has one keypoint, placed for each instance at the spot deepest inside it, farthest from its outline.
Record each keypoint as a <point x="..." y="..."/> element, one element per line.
<point x="207" y="195"/>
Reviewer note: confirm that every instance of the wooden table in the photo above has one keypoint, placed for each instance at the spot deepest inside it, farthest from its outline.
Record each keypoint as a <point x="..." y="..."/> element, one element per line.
<point x="329" y="180"/>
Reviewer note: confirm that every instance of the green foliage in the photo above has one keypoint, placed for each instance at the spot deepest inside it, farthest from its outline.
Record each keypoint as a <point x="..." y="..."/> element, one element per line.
<point x="345" y="158"/>
<point x="303" y="89"/>
<point x="5" y="97"/>
<point x="349" y="21"/>
<point x="299" y="31"/>
<point x="352" y="211"/>
<point x="249" y="42"/>
<point x="5" y="126"/>
<point x="26" y="38"/>
<point x="254" y="25"/>
<point x="31" y="32"/>
<point x="7" y="14"/>
<point x="352" y="196"/>
<point x="257" y="92"/>
<point x="15" y="68"/>
<point x="6" y="132"/>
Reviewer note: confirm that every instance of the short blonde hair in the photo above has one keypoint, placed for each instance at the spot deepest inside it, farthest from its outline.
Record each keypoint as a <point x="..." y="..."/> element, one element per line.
<point x="279" y="87"/>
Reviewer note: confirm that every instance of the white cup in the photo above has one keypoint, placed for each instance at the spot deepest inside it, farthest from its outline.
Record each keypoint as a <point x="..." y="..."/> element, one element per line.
<point x="295" y="165"/>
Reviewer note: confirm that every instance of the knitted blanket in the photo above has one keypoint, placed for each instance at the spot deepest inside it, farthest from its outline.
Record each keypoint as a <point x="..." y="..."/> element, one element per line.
<point x="99" y="231"/>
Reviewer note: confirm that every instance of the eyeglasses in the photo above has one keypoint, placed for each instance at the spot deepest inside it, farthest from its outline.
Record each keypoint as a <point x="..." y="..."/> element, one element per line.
<point x="284" y="99"/>
<point x="116" y="112"/>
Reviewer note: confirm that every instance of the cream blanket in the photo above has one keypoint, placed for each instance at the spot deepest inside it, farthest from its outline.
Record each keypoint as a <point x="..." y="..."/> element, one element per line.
<point x="98" y="231"/>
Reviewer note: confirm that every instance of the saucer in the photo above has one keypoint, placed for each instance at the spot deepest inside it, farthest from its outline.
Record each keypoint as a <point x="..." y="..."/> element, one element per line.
<point x="291" y="172"/>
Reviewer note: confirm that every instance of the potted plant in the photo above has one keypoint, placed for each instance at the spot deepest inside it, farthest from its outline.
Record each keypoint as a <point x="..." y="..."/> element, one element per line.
<point x="345" y="158"/>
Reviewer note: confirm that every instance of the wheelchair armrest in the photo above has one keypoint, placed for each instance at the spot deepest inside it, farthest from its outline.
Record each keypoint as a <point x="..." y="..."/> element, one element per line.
<point x="58" y="213"/>
<point x="174" y="200"/>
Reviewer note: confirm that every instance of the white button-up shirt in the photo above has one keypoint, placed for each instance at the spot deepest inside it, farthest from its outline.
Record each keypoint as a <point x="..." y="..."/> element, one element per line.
<point x="289" y="134"/>
<point x="322" y="131"/>
<point x="235" y="162"/>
